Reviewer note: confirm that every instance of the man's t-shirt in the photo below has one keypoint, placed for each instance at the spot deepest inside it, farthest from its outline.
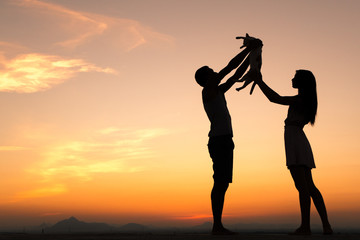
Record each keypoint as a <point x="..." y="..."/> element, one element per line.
<point x="219" y="116"/>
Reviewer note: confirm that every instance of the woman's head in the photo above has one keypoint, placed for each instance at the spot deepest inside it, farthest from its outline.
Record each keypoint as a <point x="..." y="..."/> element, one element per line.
<point x="305" y="81"/>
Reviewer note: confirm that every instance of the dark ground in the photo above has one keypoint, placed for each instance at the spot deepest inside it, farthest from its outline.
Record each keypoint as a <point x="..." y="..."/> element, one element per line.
<point x="175" y="236"/>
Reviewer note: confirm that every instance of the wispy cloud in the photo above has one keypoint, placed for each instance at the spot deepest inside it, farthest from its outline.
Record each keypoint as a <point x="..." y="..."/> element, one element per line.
<point x="82" y="27"/>
<point x="34" y="72"/>
<point x="80" y="160"/>
<point x="12" y="148"/>
<point x="29" y="71"/>
<point x="109" y="150"/>
<point x="7" y="46"/>
<point x="52" y="190"/>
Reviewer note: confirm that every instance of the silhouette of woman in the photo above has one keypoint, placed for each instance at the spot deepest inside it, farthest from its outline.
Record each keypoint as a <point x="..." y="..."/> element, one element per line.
<point x="299" y="156"/>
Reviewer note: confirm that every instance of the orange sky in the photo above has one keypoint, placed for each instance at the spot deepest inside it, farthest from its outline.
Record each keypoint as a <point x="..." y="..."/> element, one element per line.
<point x="102" y="118"/>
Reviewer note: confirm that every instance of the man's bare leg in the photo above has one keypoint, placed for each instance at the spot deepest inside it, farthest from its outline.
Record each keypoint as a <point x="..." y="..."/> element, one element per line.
<point x="217" y="204"/>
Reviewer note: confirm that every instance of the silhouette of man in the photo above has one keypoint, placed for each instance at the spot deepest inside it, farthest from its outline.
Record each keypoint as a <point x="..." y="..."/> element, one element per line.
<point x="221" y="145"/>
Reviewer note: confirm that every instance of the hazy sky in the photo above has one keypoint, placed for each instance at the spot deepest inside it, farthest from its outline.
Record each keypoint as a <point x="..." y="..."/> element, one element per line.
<point x="102" y="118"/>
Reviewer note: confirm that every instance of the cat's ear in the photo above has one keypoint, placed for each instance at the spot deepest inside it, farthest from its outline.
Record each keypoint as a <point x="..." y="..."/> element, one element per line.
<point x="247" y="35"/>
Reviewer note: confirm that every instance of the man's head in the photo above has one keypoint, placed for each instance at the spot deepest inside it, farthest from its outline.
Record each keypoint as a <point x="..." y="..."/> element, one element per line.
<point x="205" y="74"/>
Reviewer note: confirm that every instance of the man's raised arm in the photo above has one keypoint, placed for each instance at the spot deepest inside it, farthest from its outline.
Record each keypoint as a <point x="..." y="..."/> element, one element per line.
<point x="234" y="63"/>
<point x="237" y="75"/>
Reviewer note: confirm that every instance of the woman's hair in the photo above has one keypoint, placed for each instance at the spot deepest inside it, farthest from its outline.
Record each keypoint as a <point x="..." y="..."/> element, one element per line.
<point x="307" y="90"/>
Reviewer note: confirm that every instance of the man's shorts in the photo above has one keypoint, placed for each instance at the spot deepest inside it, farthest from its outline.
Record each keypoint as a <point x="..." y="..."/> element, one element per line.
<point x="221" y="150"/>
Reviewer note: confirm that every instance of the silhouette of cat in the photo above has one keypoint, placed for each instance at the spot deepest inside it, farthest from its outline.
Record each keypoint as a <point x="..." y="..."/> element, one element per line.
<point x="255" y="62"/>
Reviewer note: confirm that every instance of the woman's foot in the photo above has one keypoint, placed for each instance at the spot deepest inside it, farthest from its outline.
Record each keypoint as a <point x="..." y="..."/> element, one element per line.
<point x="327" y="230"/>
<point x="301" y="231"/>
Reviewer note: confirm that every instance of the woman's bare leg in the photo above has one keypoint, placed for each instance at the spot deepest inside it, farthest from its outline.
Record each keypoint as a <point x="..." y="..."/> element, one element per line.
<point x="318" y="202"/>
<point x="299" y="177"/>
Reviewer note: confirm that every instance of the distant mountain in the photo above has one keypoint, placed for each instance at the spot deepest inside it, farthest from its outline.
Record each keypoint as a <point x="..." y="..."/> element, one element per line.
<point x="72" y="225"/>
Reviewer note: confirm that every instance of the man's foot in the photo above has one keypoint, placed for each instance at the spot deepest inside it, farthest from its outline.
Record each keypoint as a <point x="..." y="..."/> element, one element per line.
<point x="222" y="231"/>
<point x="327" y="230"/>
<point x="301" y="231"/>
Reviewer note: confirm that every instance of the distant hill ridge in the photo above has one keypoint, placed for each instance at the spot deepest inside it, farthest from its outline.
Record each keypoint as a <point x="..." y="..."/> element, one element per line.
<point x="73" y="225"/>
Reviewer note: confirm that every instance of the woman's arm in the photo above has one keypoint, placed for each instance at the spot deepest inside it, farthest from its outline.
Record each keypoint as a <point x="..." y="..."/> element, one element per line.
<point x="272" y="95"/>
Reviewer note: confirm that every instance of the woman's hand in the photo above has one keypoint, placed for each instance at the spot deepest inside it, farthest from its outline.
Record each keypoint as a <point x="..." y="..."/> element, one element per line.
<point x="256" y="76"/>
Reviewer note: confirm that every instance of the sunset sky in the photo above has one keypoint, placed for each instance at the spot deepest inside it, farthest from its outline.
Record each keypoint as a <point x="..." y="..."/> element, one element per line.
<point x="101" y="117"/>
